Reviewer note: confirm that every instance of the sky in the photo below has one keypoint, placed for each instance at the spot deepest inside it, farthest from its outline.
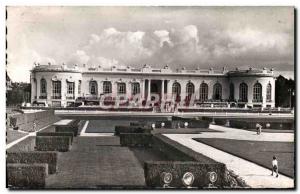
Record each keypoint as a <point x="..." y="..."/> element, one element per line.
<point x="192" y="37"/>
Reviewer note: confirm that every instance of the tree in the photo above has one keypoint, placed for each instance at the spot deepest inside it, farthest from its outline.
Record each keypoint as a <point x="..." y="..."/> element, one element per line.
<point x="284" y="90"/>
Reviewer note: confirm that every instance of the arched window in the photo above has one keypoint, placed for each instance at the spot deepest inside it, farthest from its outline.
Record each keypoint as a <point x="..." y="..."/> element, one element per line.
<point x="93" y="88"/>
<point x="217" y="94"/>
<point x="190" y="89"/>
<point x="56" y="89"/>
<point x="203" y="96"/>
<point x="243" y="93"/>
<point x="257" y="92"/>
<point x="269" y="92"/>
<point x="43" y="90"/>
<point x="231" y="92"/>
<point x="121" y="88"/>
<point x="107" y="87"/>
<point x="135" y="88"/>
<point x="176" y="89"/>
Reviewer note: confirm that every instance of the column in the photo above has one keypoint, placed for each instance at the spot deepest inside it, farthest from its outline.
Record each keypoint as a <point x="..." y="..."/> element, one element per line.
<point x="149" y="90"/>
<point x="162" y="90"/>
<point x="128" y="89"/>
<point x="33" y="89"/>
<point x="142" y="89"/>
<point x="63" y="92"/>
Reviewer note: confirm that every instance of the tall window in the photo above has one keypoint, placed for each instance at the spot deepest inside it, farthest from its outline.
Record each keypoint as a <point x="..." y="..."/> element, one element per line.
<point x="217" y="94"/>
<point x="243" y="94"/>
<point x="190" y="89"/>
<point x="56" y="89"/>
<point x="79" y="87"/>
<point x="257" y="92"/>
<point x="269" y="92"/>
<point x="43" y="87"/>
<point x="203" y="95"/>
<point x="176" y="89"/>
<point x="135" y="88"/>
<point x="121" y="88"/>
<point x="107" y="87"/>
<point x="70" y="88"/>
<point x="231" y="92"/>
<point x="93" y="87"/>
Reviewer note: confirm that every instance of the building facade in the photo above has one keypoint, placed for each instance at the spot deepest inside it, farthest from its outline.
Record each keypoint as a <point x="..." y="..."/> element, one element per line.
<point x="60" y="85"/>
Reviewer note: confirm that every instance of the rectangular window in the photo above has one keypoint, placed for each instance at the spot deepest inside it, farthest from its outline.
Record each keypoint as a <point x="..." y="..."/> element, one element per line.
<point x="121" y="88"/>
<point x="70" y="88"/>
<point x="56" y="89"/>
<point x="79" y="87"/>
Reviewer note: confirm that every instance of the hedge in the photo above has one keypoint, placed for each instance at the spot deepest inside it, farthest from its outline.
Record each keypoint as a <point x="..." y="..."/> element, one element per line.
<point x="131" y="129"/>
<point x="49" y="158"/>
<point x="154" y="170"/>
<point x="68" y="134"/>
<point x="53" y="143"/>
<point x="29" y="176"/>
<point x="136" y="139"/>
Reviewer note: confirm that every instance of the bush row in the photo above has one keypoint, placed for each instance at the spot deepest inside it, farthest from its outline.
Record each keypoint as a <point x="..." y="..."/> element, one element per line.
<point x="131" y="129"/>
<point x="136" y="139"/>
<point x="29" y="176"/>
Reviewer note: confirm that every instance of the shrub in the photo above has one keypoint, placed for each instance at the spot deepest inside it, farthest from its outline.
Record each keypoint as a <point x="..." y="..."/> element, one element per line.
<point x="30" y="176"/>
<point x="136" y="139"/>
<point x="53" y="143"/>
<point x="131" y="129"/>
<point x="49" y="158"/>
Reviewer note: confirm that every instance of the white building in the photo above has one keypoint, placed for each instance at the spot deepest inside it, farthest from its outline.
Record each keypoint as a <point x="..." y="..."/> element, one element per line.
<point x="59" y="85"/>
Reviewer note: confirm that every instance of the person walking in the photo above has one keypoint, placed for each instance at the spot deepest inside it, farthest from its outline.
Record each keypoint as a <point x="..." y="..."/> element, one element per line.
<point x="275" y="166"/>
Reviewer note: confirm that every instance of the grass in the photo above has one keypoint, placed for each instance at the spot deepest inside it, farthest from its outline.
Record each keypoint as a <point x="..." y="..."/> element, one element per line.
<point x="12" y="135"/>
<point x="258" y="152"/>
<point x="95" y="162"/>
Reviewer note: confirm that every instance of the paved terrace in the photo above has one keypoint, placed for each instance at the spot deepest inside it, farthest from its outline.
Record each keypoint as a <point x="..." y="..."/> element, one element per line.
<point x="254" y="175"/>
<point x="168" y="114"/>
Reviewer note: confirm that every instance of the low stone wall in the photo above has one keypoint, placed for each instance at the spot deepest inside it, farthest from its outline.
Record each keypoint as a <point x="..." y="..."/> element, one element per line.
<point x="136" y="139"/>
<point x="154" y="170"/>
<point x="72" y="127"/>
<point x="53" y="143"/>
<point x="34" y="157"/>
<point x="131" y="129"/>
<point x="56" y="134"/>
<point x="25" y="122"/>
<point x="29" y="176"/>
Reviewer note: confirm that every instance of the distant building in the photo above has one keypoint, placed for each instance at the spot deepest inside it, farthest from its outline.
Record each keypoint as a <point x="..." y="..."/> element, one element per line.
<point x="59" y="85"/>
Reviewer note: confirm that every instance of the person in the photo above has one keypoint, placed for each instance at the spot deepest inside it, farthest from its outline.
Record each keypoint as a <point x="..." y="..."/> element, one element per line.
<point x="258" y="128"/>
<point x="275" y="166"/>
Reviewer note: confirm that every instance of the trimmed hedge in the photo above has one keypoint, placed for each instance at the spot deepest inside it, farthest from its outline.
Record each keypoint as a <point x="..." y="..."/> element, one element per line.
<point x="56" y="134"/>
<point x="176" y="151"/>
<point x="71" y="127"/>
<point x="131" y="129"/>
<point x="154" y="170"/>
<point x="136" y="139"/>
<point x="53" y="143"/>
<point x="49" y="158"/>
<point x="30" y="176"/>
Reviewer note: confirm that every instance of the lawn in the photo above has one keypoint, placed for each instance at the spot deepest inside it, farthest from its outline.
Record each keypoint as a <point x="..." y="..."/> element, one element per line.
<point x="257" y="152"/>
<point x="12" y="135"/>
